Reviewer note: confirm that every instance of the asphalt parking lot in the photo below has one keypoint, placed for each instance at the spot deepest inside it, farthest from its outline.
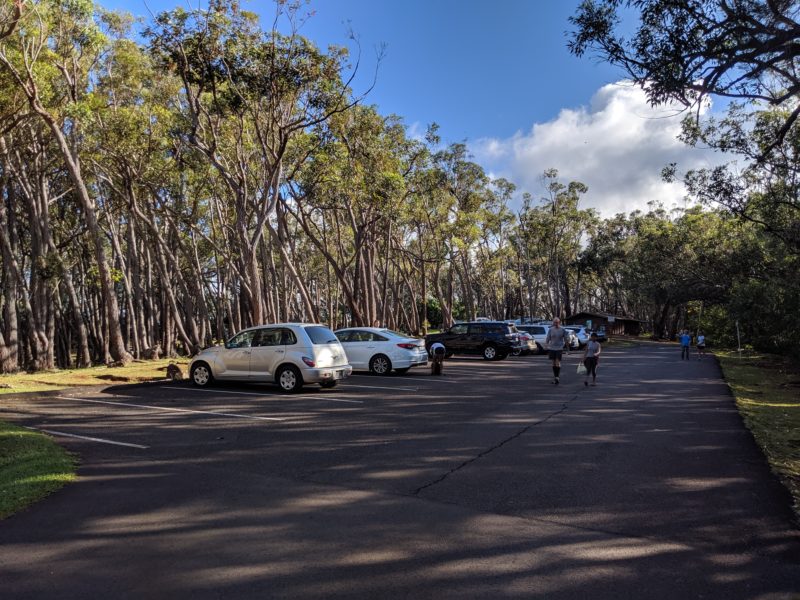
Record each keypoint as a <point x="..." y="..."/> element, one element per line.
<point x="486" y="482"/>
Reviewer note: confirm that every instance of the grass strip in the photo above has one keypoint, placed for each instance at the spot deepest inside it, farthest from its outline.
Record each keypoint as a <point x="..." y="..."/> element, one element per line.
<point x="767" y="392"/>
<point x="136" y="372"/>
<point x="32" y="466"/>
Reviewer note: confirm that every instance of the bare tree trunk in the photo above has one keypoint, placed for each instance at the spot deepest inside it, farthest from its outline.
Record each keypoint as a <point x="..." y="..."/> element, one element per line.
<point x="9" y="334"/>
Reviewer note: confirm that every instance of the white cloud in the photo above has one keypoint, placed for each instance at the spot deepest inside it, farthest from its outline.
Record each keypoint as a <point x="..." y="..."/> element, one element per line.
<point x="617" y="146"/>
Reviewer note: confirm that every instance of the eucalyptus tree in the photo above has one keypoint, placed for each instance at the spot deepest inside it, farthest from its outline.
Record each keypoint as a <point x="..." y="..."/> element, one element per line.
<point x="141" y="168"/>
<point x="560" y="227"/>
<point x="49" y="52"/>
<point x="246" y="93"/>
<point x="494" y="254"/>
<point x="347" y="198"/>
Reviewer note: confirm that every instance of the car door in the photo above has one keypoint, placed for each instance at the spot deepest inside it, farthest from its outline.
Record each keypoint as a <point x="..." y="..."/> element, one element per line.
<point x="473" y="341"/>
<point x="235" y="358"/>
<point x="455" y="338"/>
<point x="267" y="353"/>
<point x="357" y="348"/>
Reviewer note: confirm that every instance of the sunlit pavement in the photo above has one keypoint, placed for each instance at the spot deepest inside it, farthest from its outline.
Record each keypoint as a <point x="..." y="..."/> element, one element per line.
<point x="487" y="482"/>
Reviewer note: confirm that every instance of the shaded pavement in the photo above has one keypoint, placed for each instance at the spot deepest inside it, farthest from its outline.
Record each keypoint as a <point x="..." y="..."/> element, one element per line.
<point x="487" y="483"/>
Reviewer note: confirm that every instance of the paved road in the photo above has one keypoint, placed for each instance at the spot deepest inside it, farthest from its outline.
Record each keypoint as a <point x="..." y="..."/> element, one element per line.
<point x="489" y="482"/>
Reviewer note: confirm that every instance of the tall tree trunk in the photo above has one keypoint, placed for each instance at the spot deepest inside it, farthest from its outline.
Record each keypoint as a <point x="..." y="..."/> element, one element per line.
<point x="9" y="335"/>
<point x="116" y="344"/>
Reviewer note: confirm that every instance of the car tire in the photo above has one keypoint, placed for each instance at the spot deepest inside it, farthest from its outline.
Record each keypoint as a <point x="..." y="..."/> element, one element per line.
<point x="516" y="352"/>
<point x="289" y="379"/>
<point x="201" y="374"/>
<point x="329" y="384"/>
<point x="539" y="348"/>
<point x="402" y="371"/>
<point x="380" y="365"/>
<point x="490" y="352"/>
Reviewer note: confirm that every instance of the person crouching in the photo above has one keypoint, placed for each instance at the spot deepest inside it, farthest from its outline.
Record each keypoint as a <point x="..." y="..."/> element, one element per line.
<point x="437" y="354"/>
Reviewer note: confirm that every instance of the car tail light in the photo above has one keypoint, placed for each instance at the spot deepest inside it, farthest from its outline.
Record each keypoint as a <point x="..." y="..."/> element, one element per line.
<point x="309" y="361"/>
<point x="407" y="346"/>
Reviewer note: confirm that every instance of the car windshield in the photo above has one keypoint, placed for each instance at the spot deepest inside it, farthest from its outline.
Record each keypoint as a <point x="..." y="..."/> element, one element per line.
<point x="321" y="335"/>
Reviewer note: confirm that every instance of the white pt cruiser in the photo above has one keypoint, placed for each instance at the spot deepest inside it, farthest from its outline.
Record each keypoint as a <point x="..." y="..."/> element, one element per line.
<point x="289" y="354"/>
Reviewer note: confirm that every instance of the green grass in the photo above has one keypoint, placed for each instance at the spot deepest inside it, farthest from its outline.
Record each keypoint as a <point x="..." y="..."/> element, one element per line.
<point x="32" y="467"/>
<point x="767" y="391"/>
<point x="137" y="371"/>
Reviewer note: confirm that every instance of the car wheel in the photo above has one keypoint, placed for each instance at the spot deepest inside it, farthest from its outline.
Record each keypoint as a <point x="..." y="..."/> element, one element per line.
<point x="289" y="379"/>
<point x="516" y="352"/>
<point x="401" y="371"/>
<point x="490" y="352"/>
<point x="539" y="348"/>
<point x="380" y="365"/>
<point x="201" y="374"/>
<point x="329" y="384"/>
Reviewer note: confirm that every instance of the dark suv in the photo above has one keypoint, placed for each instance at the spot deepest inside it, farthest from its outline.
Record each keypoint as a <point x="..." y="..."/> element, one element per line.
<point x="494" y="340"/>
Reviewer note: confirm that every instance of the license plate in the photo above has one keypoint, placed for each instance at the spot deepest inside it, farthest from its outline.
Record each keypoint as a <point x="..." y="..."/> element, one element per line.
<point x="338" y="374"/>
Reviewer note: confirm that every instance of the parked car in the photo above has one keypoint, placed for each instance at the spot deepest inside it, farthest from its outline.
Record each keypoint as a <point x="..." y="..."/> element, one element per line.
<point x="289" y="354"/>
<point x="527" y="344"/>
<point x="381" y="350"/>
<point x="539" y="333"/>
<point x="494" y="340"/>
<point x="573" y="341"/>
<point x="581" y="333"/>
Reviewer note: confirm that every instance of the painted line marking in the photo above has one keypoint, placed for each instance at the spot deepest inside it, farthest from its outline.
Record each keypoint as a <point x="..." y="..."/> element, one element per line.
<point x="167" y="409"/>
<point x="218" y="391"/>
<point x="329" y="399"/>
<point x="378" y="387"/>
<point x="286" y="396"/>
<point x="91" y="439"/>
<point x="432" y="378"/>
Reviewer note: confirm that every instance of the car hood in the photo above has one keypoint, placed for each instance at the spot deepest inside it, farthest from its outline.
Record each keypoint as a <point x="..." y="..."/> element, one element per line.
<point x="208" y="351"/>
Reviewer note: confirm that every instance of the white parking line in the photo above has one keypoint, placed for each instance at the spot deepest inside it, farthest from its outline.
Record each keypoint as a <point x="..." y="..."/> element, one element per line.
<point x="329" y="399"/>
<point x="287" y="396"/>
<point x="216" y="391"/>
<point x="378" y="387"/>
<point x="167" y="409"/>
<point x="91" y="439"/>
<point x="432" y="378"/>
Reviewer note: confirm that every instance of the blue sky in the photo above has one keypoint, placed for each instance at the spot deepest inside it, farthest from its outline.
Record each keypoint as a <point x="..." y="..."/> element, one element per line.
<point x="497" y="74"/>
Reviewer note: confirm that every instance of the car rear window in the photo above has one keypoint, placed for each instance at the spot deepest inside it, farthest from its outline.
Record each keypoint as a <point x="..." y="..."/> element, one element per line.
<point x="321" y="335"/>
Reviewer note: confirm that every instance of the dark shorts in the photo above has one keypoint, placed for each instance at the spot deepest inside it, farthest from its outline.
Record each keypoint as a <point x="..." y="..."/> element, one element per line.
<point x="590" y="361"/>
<point x="554" y="354"/>
<point x="701" y="346"/>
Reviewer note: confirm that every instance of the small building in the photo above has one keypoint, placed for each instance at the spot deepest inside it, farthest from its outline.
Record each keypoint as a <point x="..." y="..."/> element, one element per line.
<point x="613" y="324"/>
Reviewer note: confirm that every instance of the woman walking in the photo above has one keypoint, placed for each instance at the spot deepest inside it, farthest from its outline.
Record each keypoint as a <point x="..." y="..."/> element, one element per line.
<point x="590" y="358"/>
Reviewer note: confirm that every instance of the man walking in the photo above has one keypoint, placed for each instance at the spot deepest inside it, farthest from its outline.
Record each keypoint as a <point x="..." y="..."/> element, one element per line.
<point x="686" y="341"/>
<point x="555" y="341"/>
